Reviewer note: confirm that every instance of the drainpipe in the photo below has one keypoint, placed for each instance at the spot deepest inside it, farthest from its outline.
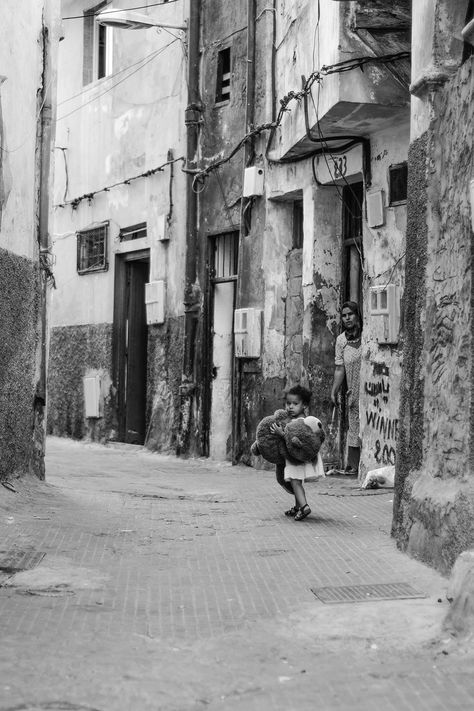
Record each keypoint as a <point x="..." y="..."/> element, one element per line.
<point x="191" y="291"/>
<point x="245" y="220"/>
<point x="44" y="139"/>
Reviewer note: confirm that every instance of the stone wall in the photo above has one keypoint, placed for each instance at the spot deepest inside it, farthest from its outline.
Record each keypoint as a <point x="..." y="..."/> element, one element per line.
<point x="434" y="503"/>
<point x="165" y="360"/>
<point x="19" y="365"/>
<point x="75" y="352"/>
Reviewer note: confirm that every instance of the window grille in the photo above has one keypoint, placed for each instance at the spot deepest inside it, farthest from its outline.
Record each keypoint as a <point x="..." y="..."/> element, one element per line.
<point x="223" y="76"/>
<point x="133" y="232"/>
<point x="92" y="250"/>
<point x="398" y="180"/>
<point x="226" y="248"/>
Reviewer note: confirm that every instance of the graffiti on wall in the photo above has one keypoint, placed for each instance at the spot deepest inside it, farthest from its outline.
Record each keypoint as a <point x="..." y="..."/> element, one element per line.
<point x="378" y="419"/>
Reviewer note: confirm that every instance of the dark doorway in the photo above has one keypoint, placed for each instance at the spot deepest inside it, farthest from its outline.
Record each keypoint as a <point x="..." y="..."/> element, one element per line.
<point x="131" y="344"/>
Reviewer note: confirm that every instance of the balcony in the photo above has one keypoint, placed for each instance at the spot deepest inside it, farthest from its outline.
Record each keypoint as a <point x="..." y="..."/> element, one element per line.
<point x="358" y="102"/>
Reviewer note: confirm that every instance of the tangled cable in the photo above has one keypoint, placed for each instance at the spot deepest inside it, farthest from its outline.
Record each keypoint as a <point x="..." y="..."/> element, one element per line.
<point x="200" y="175"/>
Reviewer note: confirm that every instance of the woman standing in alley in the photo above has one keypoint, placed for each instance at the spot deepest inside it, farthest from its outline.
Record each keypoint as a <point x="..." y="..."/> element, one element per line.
<point x="347" y="361"/>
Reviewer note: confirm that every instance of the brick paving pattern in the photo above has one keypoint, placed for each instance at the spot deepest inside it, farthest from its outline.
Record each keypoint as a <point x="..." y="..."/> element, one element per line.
<point x="181" y="585"/>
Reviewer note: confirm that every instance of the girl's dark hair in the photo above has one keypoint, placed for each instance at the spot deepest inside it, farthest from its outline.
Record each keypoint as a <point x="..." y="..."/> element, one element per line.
<point x="354" y="307"/>
<point x="303" y="393"/>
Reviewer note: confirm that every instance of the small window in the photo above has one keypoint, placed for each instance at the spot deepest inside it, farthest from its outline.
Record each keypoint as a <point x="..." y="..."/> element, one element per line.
<point x="352" y="199"/>
<point x="398" y="183"/>
<point x="97" y="46"/>
<point x="226" y="248"/>
<point x="297" y="242"/>
<point x="92" y="250"/>
<point x="223" y="76"/>
<point x="133" y="232"/>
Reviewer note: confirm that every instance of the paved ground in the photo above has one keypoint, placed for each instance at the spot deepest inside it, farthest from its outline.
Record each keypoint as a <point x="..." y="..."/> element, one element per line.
<point x="171" y="585"/>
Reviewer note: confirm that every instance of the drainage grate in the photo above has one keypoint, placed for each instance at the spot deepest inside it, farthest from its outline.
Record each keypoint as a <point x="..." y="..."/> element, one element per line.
<point x="14" y="561"/>
<point x="366" y="593"/>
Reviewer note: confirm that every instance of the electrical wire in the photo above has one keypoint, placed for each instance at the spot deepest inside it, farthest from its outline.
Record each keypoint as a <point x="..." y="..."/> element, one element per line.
<point x="122" y="9"/>
<point x="75" y="202"/>
<point x="34" y="130"/>
<point x="92" y="85"/>
<point x="109" y="88"/>
<point x="316" y="76"/>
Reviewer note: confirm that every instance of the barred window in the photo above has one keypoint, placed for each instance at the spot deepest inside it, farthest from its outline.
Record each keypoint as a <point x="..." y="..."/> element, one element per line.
<point x="223" y="76"/>
<point x="133" y="232"/>
<point x="92" y="249"/>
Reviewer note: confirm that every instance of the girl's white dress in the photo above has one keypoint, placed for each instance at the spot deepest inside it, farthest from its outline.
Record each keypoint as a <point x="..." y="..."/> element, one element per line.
<point x="306" y="471"/>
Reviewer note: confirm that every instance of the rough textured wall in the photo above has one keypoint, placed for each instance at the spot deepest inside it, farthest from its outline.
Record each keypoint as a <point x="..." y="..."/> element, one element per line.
<point x="19" y="362"/>
<point x="434" y="503"/>
<point x="294" y="315"/>
<point x="77" y="351"/>
<point x="165" y="359"/>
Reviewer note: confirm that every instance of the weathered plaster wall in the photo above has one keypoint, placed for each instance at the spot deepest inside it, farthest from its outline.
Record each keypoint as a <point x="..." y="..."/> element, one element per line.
<point x="434" y="505"/>
<point x="113" y="129"/>
<point x="165" y="358"/>
<point x="384" y="250"/>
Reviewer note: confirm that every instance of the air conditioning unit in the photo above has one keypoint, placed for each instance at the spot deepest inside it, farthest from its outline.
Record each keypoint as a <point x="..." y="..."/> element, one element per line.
<point x="385" y="312"/>
<point x="155" y="302"/>
<point x="248" y="333"/>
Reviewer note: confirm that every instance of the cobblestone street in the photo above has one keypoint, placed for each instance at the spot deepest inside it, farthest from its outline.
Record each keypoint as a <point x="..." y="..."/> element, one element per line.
<point x="176" y="585"/>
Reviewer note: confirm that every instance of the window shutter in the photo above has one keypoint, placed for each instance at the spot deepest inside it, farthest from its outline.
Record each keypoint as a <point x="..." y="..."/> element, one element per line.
<point x="88" y="48"/>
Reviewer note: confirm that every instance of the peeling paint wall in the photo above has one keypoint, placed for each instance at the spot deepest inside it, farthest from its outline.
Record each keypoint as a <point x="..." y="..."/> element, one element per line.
<point x="27" y="65"/>
<point x="110" y="130"/>
<point x="434" y="508"/>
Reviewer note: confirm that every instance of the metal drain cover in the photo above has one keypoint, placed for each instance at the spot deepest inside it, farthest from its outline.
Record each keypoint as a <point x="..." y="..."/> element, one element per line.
<point x="14" y="561"/>
<point x="366" y="593"/>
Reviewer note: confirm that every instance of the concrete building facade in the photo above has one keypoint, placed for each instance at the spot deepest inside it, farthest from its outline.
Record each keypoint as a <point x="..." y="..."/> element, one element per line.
<point x="119" y="228"/>
<point x="27" y="109"/>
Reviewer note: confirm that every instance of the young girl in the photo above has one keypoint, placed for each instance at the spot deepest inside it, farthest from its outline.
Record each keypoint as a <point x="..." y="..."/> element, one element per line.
<point x="297" y="404"/>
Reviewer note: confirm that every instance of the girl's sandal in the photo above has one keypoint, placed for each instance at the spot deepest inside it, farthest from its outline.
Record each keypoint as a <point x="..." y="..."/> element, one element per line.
<point x="302" y="513"/>
<point x="292" y="512"/>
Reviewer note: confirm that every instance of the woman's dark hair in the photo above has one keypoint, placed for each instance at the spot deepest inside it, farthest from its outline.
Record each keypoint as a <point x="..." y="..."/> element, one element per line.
<point x="303" y="393"/>
<point x="354" y="307"/>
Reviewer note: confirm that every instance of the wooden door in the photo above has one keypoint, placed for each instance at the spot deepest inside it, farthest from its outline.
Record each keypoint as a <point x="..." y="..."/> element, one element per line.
<point x="130" y="345"/>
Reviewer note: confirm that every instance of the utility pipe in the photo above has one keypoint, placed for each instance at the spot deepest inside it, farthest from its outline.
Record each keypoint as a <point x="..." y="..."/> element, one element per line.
<point x="191" y="298"/>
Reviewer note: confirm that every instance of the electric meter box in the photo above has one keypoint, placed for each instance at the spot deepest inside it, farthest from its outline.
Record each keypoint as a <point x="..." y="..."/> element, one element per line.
<point x="248" y="333"/>
<point x="253" y="181"/>
<point x="155" y="302"/>
<point x="385" y="313"/>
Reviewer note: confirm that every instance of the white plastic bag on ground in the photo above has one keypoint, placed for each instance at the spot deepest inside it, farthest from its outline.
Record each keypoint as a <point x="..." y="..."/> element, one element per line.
<point x="382" y="478"/>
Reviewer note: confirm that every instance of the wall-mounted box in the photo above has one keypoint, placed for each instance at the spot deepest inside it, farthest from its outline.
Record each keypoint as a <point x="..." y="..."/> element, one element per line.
<point x="162" y="231"/>
<point x="253" y="181"/>
<point x="91" y="384"/>
<point x="375" y="208"/>
<point x="385" y="312"/>
<point x="155" y="293"/>
<point x="248" y="333"/>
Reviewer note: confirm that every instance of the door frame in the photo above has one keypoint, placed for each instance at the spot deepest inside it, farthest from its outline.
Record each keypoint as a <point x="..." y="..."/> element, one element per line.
<point x="118" y="331"/>
<point x="212" y="235"/>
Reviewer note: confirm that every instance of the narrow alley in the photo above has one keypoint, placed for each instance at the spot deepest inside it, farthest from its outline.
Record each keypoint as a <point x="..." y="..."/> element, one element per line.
<point x="141" y="582"/>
